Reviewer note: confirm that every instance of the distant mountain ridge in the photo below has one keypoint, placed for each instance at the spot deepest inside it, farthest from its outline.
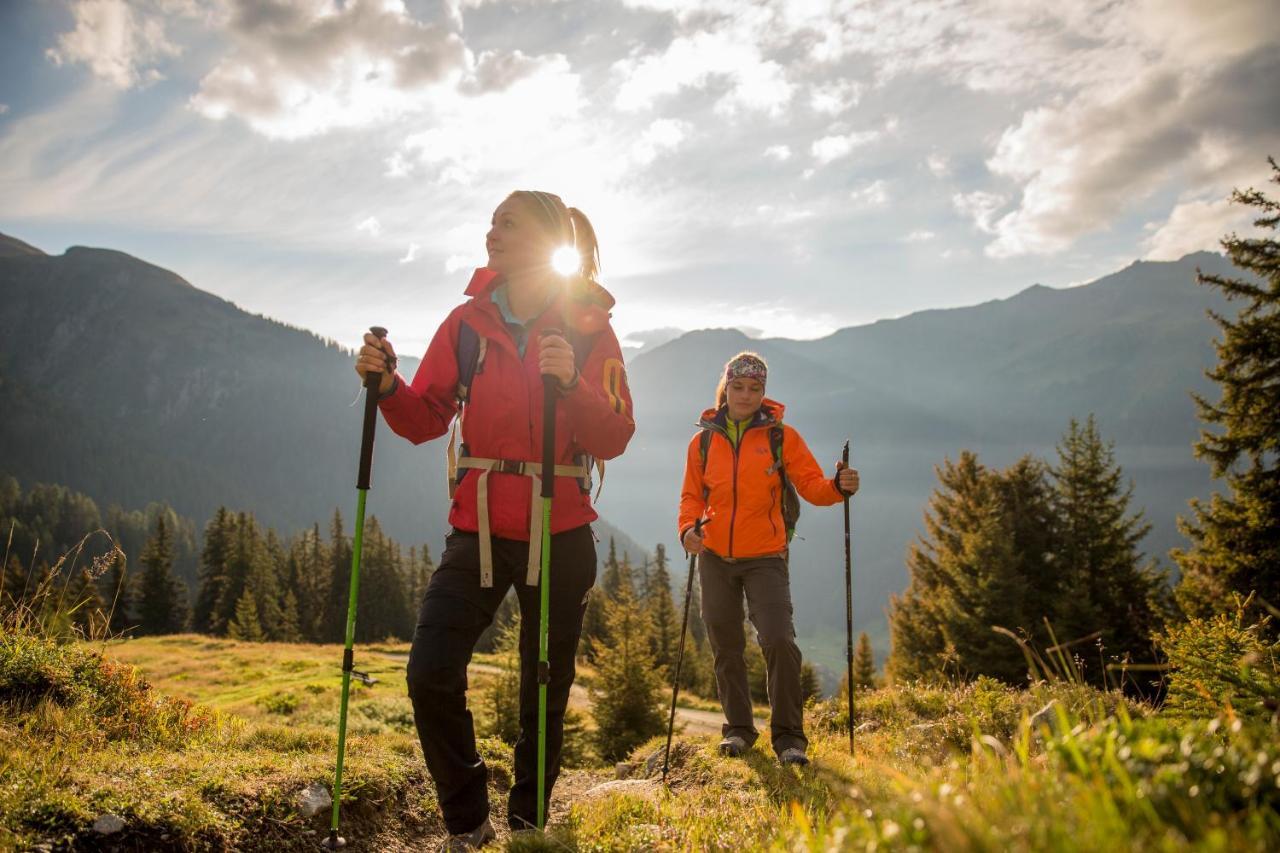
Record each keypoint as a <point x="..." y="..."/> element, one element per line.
<point x="122" y="380"/>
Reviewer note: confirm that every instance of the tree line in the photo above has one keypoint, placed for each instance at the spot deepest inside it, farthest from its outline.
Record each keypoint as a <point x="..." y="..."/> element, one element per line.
<point x="1049" y="552"/>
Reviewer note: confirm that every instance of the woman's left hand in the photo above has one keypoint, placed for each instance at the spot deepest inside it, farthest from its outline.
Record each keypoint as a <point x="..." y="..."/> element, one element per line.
<point x="847" y="479"/>
<point x="555" y="358"/>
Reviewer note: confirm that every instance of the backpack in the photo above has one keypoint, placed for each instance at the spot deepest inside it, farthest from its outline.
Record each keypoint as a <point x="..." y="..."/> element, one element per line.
<point x="790" y="498"/>
<point x="470" y="354"/>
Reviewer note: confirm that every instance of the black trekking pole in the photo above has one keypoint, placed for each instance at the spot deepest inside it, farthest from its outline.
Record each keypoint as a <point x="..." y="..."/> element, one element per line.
<point x="675" y="683"/>
<point x="371" y="382"/>
<point x="549" y="396"/>
<point x="848" y="602"/>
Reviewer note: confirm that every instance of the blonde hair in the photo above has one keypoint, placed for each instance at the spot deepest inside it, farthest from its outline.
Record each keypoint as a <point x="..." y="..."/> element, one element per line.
<point x="722" y="395"/>
<point x="566" y="224"/>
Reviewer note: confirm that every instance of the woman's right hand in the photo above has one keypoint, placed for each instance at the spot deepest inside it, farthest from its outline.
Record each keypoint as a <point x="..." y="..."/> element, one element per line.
<point x="377" y="355"/>
<point x="692" y="541"/>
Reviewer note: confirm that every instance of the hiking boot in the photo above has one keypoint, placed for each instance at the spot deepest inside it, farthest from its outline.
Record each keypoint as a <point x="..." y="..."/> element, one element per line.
<point x="473" y="840"/>
<point x="793" y="755"/>
<point x="733" y="746"/>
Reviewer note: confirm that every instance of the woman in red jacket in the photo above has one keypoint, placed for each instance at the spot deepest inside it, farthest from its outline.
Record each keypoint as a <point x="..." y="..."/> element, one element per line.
<point x="485" y="365"/>
<point x="733" y="475"/>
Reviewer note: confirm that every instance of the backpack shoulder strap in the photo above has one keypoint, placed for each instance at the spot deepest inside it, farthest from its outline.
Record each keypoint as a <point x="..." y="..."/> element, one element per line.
<point x="776" y="436"/>
<point x="470" y="356"/>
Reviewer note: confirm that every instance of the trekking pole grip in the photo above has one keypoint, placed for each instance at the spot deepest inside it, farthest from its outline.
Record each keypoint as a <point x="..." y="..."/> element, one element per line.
<point x="372" y="382"/>
<point x="550" y="394"/>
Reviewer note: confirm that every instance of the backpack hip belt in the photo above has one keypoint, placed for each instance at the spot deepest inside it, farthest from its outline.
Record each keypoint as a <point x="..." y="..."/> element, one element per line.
<point x="532" y="470"/>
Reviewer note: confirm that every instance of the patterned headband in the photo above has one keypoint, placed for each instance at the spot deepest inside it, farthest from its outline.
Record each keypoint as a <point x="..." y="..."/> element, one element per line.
<point x="746" y="366"/>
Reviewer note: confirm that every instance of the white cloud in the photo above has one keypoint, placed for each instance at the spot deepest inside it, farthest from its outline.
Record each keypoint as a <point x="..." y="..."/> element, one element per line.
<point x="874" y="194"/>
<point x="370" y="226"/>
<point x="454" y="263"/>
<point x="662" y="135"/>
<point x="781" y="153"/>
<point x="1083" y="162"/>
<point x="830" y="148"/>
<point x="920" y="235"/>
<point x="939" y="165"/>
<point x="304" y="67"/>
<point x="980" y="207"/>
<point x="835" y="97"/>
<point x="411" y="255"/>
<point x="119" y="43"/>
<point x="1196" y="225"/>
<point x="698" y="61"/>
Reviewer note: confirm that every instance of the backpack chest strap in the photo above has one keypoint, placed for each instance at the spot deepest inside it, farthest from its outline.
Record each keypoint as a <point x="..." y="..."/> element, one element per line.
<point x="532" y="470"/>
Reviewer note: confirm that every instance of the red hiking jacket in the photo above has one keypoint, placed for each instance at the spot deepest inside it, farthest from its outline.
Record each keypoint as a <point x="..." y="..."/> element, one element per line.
<point x="503" y="419"/>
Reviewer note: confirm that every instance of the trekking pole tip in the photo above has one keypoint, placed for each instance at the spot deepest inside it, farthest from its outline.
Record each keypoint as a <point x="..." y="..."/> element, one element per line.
<point x="378" y="331"/>
<point x="335" y="841"/>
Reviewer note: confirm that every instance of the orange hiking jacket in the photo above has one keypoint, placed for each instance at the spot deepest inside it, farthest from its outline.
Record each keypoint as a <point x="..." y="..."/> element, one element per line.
<point x="740" y="488"/>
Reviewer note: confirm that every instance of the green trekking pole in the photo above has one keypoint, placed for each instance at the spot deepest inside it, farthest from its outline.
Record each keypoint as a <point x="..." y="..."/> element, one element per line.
<point x="371" y="382"/>
<point x="549" y="397"/>
<point x="848" y="603"/>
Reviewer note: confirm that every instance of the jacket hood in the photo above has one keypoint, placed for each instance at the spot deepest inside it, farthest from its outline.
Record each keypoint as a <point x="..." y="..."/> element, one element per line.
<point x="585" y="304"/>
<point x="770" y="412"/>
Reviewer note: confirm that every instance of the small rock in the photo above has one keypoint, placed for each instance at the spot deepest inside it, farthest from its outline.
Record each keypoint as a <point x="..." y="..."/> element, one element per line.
<point x="868" y="726"/>
<point x="622" y="770"/>
<point x="640" y="787"/>
<point x="654" y="761"/>
<point x="313" y="799"/>
<point x="108" y="824"/>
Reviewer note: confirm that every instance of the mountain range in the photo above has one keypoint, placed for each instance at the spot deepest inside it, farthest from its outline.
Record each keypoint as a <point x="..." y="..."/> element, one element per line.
<point x="121" y="380"/>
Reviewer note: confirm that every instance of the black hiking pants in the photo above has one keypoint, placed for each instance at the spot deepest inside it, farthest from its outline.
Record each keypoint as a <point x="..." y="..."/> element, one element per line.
<point x="454" y="613"/>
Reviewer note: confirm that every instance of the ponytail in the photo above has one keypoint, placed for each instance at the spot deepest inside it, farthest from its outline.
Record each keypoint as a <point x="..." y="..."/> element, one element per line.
<point x="584" y="240"/>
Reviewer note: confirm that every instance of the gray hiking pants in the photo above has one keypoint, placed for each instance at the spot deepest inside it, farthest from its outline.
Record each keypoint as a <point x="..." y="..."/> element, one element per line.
<point x="765" y="583"/>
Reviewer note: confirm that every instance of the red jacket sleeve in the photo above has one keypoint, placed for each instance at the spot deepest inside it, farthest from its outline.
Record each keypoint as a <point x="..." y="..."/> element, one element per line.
<point x="423" y="410"/>
<point x="805" y="473"/>
<point x="693" y="502"/>
<point x="599" y="406"/>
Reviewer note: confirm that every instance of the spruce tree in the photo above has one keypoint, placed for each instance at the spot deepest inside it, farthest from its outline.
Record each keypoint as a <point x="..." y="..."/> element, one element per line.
<point x="1235" y="537"/>
<point x="335" y="610"/>
<point x="1103" y="585"/>
<point x="864" y="664"/>
<point x="810" y="684"/>
<point x="662" y="611"/>
<point x="211" y="574"/>
<point x="244" y="625"/>
<point x="627" y="704"/>
<point x="969" y="576"/>
<point x="162" y="604"/>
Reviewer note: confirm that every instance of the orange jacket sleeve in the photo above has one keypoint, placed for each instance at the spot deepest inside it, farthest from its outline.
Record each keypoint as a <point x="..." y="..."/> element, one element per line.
<point x="805" y="473"/>
<point x="693" y="504"/>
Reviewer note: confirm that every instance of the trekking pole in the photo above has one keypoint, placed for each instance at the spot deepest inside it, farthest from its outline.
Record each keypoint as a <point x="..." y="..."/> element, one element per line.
<point x="371" y="382"/>
<point x="848" y="602"/>
<point x="549" y="395"/>
<point x="684" y="627"/>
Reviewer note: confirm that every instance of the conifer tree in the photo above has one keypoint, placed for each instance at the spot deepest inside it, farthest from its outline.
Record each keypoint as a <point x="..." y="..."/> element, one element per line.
<point x="212" y="573"/>
<point x="628" y="706"/>
<point x="289" y="631"/>
<point x="810" y="684"/>
<point x="503" y="693"/>
<point x="335" y="618"/>
<point x="969" y="575"/>
<point x="864" y="664"/>
<point x="162" y="600"/>
<point x="1235" y="537"/>
<point x="662" y="611"/>
<point x="244" y="625"/>
<point x="1103" y="585"/>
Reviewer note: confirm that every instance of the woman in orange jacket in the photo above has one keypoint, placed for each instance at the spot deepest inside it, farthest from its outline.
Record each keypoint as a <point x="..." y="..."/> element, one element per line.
<point x="736" y="475"/>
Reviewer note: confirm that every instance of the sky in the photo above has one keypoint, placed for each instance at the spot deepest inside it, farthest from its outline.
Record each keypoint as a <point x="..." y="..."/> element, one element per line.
<point x="789" y="167"/>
